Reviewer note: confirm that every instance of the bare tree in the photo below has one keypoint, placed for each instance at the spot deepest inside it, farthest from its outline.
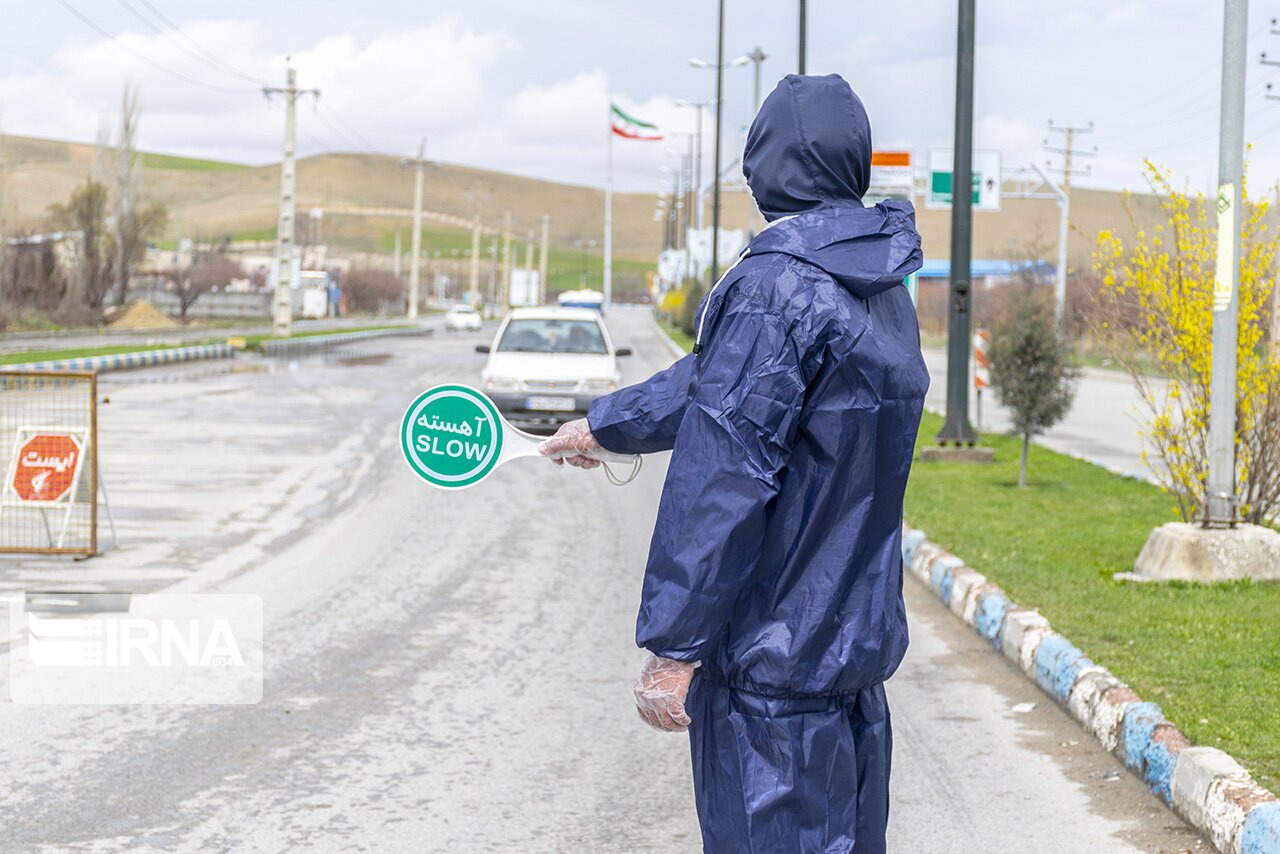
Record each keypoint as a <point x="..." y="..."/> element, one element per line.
<point x="209" y="268"/>
<point x="134" y="222"/>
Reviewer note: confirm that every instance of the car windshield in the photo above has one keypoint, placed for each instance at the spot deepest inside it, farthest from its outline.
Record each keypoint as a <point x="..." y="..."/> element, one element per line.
<point x="552" y="335"/>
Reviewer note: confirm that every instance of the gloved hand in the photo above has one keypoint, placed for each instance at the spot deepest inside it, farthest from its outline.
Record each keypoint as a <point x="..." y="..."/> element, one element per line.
<point x="660" y="693"/>
<point x="574" y="437"/>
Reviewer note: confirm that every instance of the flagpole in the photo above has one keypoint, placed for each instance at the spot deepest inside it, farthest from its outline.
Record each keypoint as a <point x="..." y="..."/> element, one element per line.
<point x="608" y="209"/>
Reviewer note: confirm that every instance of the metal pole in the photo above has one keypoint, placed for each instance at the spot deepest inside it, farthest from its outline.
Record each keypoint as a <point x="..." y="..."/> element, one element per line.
<point x="415" y="272"/>
<point x="956" y="429"/>
<point x="505" y="285"/>
<point x="715" y="193"/>
<point x="475" y="262"/>
<point x="697" y="172"/>
<point x="607" y="281"/>
<point x="542" y="258"/>
<point x="1220" y="491"/>
<point x="1064" y="216"/>
<point x="804" y="27"/>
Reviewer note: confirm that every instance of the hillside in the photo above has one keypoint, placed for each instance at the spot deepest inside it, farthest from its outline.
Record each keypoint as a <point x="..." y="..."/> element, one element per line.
<point x="210" y="198"/>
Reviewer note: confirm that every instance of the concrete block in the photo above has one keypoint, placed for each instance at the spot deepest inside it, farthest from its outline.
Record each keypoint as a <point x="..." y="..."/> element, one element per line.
<point x="1057" y="662"/>
<point x="992" y="604"/>
<point x="1017" y="622"/>
<point x="922" y="559"/>
<point x="911" y="540"/>
<point x="1090" y="683"/>
<point x="940" y="575"/>
<point x="964" y="581"/>
<point x="1229" y="802"/>
<point x="1261" y="833"/>
<point x="1194" y="776"/>
<point x="957" y="454"/>
<point x="1160" y="757"/>
<point x="1108" y="713"/>
<point x="1186" y="552"/>
<point x="1139" y="722"/>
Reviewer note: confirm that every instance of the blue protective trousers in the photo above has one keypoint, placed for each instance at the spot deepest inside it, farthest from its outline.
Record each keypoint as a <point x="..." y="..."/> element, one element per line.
<point x="790" y="776"/>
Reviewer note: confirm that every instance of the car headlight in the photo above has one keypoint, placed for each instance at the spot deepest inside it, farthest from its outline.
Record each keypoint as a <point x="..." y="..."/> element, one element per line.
<point x="601" y="385"/>
<point x="502" y="383"/>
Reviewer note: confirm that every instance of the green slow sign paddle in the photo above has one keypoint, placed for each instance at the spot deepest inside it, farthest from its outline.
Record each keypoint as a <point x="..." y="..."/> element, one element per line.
<point x="452" y="436"/>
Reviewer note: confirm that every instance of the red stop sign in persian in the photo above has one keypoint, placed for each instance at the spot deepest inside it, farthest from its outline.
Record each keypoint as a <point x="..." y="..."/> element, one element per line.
<point x="46" y="466"/>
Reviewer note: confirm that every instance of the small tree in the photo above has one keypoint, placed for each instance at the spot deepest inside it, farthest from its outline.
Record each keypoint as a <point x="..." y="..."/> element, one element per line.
<point x="1031" y="368"/>
<point x="86" y="213"/>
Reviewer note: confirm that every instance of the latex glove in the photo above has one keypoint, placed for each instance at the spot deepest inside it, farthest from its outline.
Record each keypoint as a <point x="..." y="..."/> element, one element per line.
<point x="660" y="693"/>
<point x="574" y="437"/>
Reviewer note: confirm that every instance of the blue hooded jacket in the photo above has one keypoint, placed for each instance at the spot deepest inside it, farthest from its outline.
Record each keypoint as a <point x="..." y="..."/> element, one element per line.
<point x="776" y="559"/>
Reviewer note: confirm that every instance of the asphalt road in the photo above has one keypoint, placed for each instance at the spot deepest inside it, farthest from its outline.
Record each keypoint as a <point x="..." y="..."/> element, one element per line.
<point x="451" y="672"/>
<point x="1102" y="425"/>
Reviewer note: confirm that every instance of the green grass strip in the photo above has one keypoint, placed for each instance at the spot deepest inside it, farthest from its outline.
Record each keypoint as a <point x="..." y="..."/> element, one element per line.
<point x="1208" y="654"/>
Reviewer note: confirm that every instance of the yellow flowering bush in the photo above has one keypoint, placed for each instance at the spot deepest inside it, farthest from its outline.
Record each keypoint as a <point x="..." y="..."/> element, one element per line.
<point x="1155" y="302"/>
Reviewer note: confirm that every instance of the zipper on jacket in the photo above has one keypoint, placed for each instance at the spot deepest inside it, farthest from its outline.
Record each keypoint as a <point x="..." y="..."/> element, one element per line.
<point x="746" y="250"/>
<point x="706" y="305"/>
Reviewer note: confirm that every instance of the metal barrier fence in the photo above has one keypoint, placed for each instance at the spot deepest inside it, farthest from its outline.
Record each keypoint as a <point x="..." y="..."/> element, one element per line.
<point x="49" y="457"/>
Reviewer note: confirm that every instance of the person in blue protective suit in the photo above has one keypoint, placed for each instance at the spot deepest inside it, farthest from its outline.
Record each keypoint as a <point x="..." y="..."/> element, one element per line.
<point x="772" y="600"/>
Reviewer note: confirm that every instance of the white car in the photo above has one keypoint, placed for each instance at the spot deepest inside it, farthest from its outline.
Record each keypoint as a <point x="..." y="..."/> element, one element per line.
<point x="547" y="364"/>
<point x="462" y="318"/>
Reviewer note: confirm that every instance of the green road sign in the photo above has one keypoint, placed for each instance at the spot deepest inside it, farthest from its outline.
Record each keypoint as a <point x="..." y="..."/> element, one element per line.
<point x="451" y="436"/>
<point x="940" y="188"/>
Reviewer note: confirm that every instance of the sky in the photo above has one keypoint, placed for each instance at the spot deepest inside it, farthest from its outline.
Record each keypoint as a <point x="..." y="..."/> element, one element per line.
<point x="524" y="87"/>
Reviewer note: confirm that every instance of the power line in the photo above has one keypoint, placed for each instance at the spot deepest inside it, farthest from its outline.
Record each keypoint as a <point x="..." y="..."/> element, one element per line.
<point x="355" y="134"/>
<point x="204" y="57"/>
<point x="210" y="54"/>
<point x="93" y="25"/>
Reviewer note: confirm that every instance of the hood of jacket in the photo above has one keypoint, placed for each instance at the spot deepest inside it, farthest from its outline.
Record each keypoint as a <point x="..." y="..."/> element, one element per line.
<point x="808" y="164"/>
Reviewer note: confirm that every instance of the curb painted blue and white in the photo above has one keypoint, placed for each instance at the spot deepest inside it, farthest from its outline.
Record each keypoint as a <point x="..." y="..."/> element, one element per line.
<point x="1203" y="785"/>
<point x="129" y="361"/>
<point x="287" y="347"/>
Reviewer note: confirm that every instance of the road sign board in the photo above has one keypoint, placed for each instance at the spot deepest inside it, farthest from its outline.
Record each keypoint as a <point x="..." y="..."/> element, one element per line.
<point x="451" y="436"/>
<point x="986" y="180"/>
<point x="45" y="467"/>
<point x="892" y="177"/>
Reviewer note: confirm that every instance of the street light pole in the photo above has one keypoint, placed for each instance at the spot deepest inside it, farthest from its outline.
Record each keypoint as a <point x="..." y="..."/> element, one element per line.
<point x="1221" y="510"/>
<point x="715" y="194"/>
<point x="757" y="56"/>
<point x="804" y="27"/>
<point x="957" y="430"/>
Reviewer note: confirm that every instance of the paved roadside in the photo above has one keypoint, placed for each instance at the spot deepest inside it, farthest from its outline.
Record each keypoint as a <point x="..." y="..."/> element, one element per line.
<point x="452" y="671"/>
<point x="1102" y="425"/>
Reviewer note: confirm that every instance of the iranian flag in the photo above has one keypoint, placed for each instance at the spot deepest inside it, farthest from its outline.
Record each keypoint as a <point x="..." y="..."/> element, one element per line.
<point x="629" y="127"/>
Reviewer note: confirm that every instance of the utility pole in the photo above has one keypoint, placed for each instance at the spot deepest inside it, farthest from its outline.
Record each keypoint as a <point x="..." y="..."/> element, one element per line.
<point x="282" y="303"/>
<point x="1221" y="509"/>
<point x="396" y="261"/>
<point x="1069" y="151"/>
<point x="475" y="263"/>
<point x="804" y="27"/>
<point x="505" y="298"/>
<point x="957" y="430"/>
<point x="493" y="269"/>
<point x="419" y="164"/>
<point x="757" y="56"/>
<point x="1064" y="217"/>
<point x="542" y="258"/>
<point x="715" y="198"/>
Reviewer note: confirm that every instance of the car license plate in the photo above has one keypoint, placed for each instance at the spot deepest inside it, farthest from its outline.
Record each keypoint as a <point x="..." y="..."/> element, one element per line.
<point x="550" y="404"/>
